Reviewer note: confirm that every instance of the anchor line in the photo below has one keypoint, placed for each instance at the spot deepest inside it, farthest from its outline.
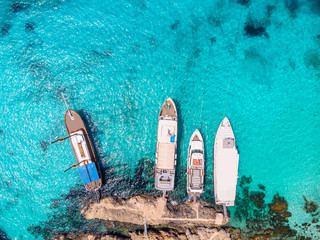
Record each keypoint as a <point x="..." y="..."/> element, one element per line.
<point x="226" y="101"/>
<point x="65" y="102"/>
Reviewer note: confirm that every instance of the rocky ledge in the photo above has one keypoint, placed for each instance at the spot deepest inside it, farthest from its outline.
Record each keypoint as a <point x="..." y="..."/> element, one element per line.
<point x="164" y="219"/>
<point x="154" y="211"/>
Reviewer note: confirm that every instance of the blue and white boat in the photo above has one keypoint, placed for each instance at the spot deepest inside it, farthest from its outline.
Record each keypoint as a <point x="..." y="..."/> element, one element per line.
<point x="166" y="155"/>
<point x="83" y="151"/>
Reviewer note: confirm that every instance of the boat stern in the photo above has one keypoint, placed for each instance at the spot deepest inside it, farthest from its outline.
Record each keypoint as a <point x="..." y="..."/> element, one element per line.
<point x="164" y="179"/>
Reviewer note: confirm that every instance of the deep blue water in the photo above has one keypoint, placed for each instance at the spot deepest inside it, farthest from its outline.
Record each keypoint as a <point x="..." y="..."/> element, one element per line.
<point x="117" y="61"/>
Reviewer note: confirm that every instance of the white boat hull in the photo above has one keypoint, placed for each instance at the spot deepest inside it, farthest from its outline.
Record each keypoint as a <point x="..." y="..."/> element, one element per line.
<point x="166" y="154"/>
<point x="195" y="172"/>
<point x="225" y="165"/>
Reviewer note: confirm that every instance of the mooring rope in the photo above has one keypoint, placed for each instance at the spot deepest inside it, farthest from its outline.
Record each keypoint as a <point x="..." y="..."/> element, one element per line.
<point x="225" y="103"/>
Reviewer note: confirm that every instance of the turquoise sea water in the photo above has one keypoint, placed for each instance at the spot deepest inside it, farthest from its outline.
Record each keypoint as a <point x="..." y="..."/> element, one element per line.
<point x="117" y="61"/>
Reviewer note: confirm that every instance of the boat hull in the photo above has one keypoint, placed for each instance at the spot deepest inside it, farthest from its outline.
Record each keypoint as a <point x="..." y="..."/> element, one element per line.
<point x="166" y="154"/>
<point x="196" y="161"/>
<point x="82" y="148"/>
<point x="225" y="165"/>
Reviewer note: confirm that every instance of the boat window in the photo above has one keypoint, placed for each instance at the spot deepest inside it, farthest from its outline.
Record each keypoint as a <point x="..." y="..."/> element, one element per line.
<point x="164" y="179"/>
<point x="228" y="143"/>
<point x="197" y="151"/>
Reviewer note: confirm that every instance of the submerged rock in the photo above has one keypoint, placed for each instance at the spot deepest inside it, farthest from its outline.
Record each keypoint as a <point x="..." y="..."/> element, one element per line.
<point x="310" y="206"/>
<point x="257" y="198"/>
<point x="253" y="31"/>
<point x="279" y="204"/>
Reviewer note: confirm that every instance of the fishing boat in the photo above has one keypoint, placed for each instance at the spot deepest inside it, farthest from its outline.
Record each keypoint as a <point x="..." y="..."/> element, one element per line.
<point x="225" y="162"/>
<point x="166" y="154"/>
<point x="82" y="148"/>
<point x="196" y="159"/>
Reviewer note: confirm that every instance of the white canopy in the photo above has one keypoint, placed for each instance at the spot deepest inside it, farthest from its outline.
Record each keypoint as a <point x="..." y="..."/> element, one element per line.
<point x="166" y="152"/>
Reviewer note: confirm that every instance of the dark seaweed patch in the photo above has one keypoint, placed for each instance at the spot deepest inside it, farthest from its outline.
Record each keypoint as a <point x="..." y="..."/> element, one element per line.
<point x="263" y="221"/>
<point x="29" y="27"/>
<point x="212" y="40"/>
<point x="310" y="206"/>
<point x="1" y="132"/>
<point x="3" y="235"/>
<point x="19" y="7"/>
<point x="245" y="180"/>
<point x="253" y="31"/>
<point x="270" y="9"/>
<point x="315" y="6"/>
<point x="196" y="53"/>
<point x="262" y="187"/>
<point x="257" y="198"/>
<point x="292" y="6"/>
<point x="5" y="29"/>
<point x="44" y="145"/>
<point x="175" y="25"/>
<point x="244" y="2"/>
<point x="312" y="58"/>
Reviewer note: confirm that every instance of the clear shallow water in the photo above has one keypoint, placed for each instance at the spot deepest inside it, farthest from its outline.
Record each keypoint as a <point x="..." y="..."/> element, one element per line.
<point x="118" y="61"/>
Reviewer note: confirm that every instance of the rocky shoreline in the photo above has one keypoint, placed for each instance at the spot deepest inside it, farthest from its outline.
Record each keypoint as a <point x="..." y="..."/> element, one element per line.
<point x="165" y="219"/>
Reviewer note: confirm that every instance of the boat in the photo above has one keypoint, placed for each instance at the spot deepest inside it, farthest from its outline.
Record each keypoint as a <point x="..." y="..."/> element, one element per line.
<point x="83" y="151"/>
<point x="166" y="154"/>
<point x="195" y="174"/>
<point x="225" y="166"/>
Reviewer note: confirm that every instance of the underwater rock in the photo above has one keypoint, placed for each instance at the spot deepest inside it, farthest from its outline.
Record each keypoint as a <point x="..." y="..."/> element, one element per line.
<point x="312" y="58"/>
<point x="244" y="2"/>
<point x="279" y="204"/>
<point x="245" y="180"/>
<point x="253" y="31"/>
<point x="175" y="25"/>
<point x="310" y="206"/>
<point x="270" y="9"/>
<point x="44" y="145"/>
<point x="154" y="210"/>
<point x="213" y="40"/>
<point x="3" y="235"/>
<point x="29" y="27"/>
<point x="19" y="7"/>
<point x="5" y="29"/>
<point x="292" y="6"/>
<point x="262" y="187"/>
<point x="257" y="198"/>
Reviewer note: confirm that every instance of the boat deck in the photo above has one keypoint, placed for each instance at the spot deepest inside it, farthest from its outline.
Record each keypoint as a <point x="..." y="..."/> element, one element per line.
<point x="168" y="109"/>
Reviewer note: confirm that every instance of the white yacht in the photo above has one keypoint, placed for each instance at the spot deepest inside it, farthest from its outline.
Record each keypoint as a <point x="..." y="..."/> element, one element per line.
<point x="195" y="174"/>
<point x="166" y="155"/>
<point x="225" y="166"/>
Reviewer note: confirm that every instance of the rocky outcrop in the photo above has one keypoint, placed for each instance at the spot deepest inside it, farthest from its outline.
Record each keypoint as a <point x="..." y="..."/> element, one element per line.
<point x="154" y="211"/>
<point x="165" y="234"/>
<point x="165" y="220"/>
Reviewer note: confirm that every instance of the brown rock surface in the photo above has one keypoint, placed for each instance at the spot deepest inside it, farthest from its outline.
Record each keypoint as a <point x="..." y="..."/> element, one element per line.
<point x="155" y="210"/>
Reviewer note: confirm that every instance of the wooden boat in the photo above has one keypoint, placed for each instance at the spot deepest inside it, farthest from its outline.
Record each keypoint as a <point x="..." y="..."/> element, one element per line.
<point x="166" y="154"/>
<point x="82" y="148"/>
<point x="225" y="162"/>
<point x="196" y="161"/>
